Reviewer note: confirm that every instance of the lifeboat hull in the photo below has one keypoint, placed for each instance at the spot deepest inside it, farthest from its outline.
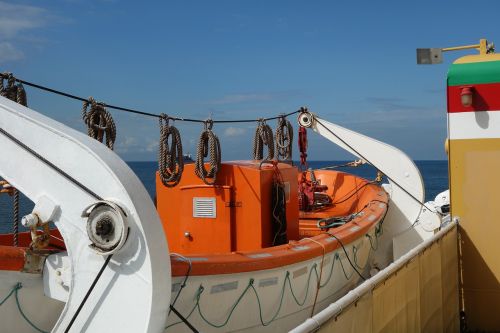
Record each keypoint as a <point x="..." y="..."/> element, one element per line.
<point x="276" y="288"/>
<point x="275" y="299"/>
<point x="23" y="302"/>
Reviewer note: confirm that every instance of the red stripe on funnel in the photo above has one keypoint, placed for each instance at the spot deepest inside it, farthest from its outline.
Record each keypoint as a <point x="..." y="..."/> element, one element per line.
<point x="486" y="97"/>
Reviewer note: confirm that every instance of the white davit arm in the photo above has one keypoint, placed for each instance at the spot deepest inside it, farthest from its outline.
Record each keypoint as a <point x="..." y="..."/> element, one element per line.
<point x="402" y="173"/>
<point x="65" y="171"/>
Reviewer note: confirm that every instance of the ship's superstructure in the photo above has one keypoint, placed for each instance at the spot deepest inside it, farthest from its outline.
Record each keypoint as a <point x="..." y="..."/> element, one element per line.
<point x="473" y="87"/>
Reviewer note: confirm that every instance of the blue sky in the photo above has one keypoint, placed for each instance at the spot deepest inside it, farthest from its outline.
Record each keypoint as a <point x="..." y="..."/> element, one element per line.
<point x="351" y="62"/>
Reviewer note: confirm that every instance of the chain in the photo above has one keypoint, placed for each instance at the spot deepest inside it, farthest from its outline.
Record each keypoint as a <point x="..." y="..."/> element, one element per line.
<point x="170" y="157"/>
<point x="99" y="122"/>
<point x="208" y="143"/>
<point x="284" y="138"/>
<point x="263" y="137"/>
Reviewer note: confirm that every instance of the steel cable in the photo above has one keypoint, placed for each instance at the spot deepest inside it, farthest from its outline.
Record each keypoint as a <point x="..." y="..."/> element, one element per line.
<point x="125" y="109"/>
<point x="422" y="204"/>
<point x="170" y="157"/>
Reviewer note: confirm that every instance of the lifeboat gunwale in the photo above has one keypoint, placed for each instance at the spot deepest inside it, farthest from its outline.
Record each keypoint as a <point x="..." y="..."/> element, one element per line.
<point x="295" y="251"/>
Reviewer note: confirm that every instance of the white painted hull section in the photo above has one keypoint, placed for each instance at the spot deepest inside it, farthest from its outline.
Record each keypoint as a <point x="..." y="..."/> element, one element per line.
<point x="41" y="310"/>
<point x="219" y="296"/>
<point x="221" y="293"/>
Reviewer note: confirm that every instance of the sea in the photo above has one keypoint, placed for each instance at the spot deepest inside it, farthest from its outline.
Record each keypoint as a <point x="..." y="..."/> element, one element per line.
<point x="434" y="173"/>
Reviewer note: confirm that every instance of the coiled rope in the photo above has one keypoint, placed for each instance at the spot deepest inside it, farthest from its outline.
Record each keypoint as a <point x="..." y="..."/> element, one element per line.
<point x="14" y="92"/>
<point x="263" y="137"/>
<point x="284" y="137"/>
<point x="208" y="143"/>
<point x="99" y="122"/>
<point x="170" y="157"/>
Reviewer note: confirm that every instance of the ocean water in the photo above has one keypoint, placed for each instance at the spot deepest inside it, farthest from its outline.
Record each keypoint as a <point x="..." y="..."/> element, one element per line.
<point x="434" y="173"/>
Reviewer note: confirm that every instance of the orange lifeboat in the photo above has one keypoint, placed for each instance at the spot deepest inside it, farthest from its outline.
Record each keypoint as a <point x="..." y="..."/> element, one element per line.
<point x="221" y="242"/>
<point x="222" y="237"/>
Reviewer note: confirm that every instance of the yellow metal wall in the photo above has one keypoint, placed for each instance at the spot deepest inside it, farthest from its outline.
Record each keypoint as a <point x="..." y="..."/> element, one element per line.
<point x="421" y="297"/>
<point x="475" y="196"/>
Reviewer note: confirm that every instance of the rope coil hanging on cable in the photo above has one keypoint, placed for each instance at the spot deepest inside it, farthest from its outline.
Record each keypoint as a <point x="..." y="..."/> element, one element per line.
<point x="170" y="157"/>
<point x="14" y="92"/>
<point x="284" y="138"/>
<point x="263" y="137"/>
<point x="208" y="144"/>
<point x="125" y="109"/>
<point x="99" y="122"/>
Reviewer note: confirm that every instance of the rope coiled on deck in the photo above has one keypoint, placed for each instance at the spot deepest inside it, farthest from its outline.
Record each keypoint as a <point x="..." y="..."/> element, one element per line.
<point x="284" y="138"/>
<point x="263" y="137"/>
<point x="14" y="92"/>
<point x="208" y="144"/>
<point x="170" y="157"/>
<point x="99" y="122"/>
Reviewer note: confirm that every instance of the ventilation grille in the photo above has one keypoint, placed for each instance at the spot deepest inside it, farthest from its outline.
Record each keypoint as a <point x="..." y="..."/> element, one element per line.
<point x="204" y="207"/>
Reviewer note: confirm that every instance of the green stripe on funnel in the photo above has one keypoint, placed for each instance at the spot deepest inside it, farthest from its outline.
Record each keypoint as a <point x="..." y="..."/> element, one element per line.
<point x="474" y="73"/>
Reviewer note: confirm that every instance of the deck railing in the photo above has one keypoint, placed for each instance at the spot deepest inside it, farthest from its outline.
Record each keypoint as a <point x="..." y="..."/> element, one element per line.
<point x="416" y="293"/>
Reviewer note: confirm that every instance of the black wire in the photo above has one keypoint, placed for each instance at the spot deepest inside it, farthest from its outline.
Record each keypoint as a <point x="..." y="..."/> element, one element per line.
<point x="188" y="324"/>
<point x="186" y="277"/>
<point x="347" y="256"/>
<point x="346" y="219"/>
<point x="50" y="164"/>
<point x="120" y="108"/>
<point x="332" y="167"/>
<point x="106" y="262"/>
<point x="342" y="245"/>
<point x="344" y="199"/>
<point x="360" y="155"/>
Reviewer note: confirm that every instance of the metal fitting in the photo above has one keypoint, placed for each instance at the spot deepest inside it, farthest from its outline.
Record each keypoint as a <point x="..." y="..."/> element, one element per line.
<point x="30" y="220"/>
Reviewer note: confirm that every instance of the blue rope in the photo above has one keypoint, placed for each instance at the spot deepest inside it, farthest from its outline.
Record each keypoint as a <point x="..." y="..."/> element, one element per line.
<point x="286" y="281"/>
<point x="15" y="291"/>
<point x="17" y="286"/>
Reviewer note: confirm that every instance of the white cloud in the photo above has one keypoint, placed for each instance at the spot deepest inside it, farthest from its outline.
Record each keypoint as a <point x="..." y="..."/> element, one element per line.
<point x="131" y="144"/>
<point x="15" y="19"/>
<point x="127" y="144"/>
<point x="9" y="53"/>
<point x="234" y="131"/>
<point x="152" y="146"/>
<point x="16" y="23"/>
